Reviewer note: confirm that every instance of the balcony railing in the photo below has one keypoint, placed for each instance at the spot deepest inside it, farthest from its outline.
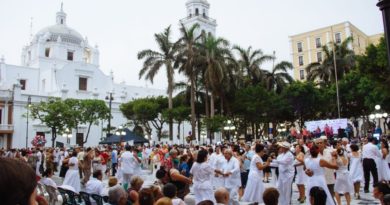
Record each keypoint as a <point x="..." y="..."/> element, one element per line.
<point x="5" y="127"/>
<point x="200" y="17"/>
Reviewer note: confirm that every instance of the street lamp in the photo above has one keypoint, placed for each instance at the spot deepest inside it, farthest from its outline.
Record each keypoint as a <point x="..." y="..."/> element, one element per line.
<point x="120" y="132"/>
<point x="378" y="114"/>
<point x="110" y="99"/>
<point x="229" y="127"/>
<point x="28" y="107"/>
<point x="67" y="134"/>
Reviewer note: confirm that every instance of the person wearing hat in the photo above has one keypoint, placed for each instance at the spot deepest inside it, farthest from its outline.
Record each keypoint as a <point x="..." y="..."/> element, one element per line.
<point x="285" y="163"/>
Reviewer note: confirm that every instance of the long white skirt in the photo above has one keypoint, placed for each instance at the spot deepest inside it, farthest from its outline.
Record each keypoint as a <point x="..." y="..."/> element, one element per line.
<point x="343" y="183"/>
<point x="254" y="189"/>
<point x="72" y="178"/>
<point x="203" y="191"/>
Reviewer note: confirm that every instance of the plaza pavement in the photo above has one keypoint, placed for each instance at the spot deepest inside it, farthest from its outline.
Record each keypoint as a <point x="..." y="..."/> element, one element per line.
<point x="365" y="198"/>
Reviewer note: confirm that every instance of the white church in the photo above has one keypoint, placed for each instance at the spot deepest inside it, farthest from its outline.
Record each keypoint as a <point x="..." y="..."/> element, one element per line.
<point x="59" y="62"/>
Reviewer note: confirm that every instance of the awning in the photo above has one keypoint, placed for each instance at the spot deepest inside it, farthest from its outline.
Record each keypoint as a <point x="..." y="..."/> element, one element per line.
<point x="130" y="136"/>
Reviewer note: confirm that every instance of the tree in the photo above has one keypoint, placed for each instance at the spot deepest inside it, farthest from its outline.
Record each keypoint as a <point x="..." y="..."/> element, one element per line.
<point x="91" y="112"/>
<point x="324" y="71"/>
<point x="54" y="114"/>
<point x="250" y="63"/>
<point x="213" y="52"/>
<point x="154" y="60"/>
<point x="279" y="78"/>
<point x="305" y="100"/>
<point x="148" y="112"/>
<point x="187" y="61"/>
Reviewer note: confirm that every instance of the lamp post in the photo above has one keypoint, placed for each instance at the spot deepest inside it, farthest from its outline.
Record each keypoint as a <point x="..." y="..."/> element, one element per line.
<point x="384" y="6"/>
<point x="67" y="134"/>
<point x="378" y="114"/>
<point x="229" y="127"/>
<point x="28" y="107"/>
<point x="110" y="99"/>
<point x="120" y="132"/>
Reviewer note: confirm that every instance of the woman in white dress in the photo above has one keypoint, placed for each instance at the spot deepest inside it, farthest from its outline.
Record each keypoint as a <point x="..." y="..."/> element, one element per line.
<point x="356" y="169"/>
<point x="255" y="187"/>
<point x="72" y="177"/>
<point x="202" y="171"/>
<point x="301" y="177"/>
<point x="383" y="167"/>
<point x="343" y="184"/>
<point x="316" y="172"/>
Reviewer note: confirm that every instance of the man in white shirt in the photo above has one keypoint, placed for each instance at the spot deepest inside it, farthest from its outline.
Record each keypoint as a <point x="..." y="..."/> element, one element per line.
<point x="232" y="177"/>
<point x="285" y="163"/>
<point x="39" y="162"/>
<point x="370" y="153"/>
<point x="216" y="161"/>
<point x="129" y="164"/>
<point x="95" y="184"/>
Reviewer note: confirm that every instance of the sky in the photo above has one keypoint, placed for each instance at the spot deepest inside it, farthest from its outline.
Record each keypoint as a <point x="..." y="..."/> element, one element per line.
<point x="122" y="28"/>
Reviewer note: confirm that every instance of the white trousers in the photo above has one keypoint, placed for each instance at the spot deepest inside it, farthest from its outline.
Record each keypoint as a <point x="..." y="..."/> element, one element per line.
<point x="284" y="186"/>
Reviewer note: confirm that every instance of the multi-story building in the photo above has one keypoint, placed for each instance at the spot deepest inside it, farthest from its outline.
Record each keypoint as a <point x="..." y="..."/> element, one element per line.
<point x="306" y="47"/>
<point x="59" y="62"/>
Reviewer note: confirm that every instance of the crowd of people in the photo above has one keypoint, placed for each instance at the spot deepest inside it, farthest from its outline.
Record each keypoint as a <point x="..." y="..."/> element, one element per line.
<point x="323" y="169"/>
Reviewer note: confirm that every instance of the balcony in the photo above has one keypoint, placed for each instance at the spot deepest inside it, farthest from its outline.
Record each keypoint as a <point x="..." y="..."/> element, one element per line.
<point x="201" y="18"/>
<point x="5" y="95"/>
<point x="6" y="129"/>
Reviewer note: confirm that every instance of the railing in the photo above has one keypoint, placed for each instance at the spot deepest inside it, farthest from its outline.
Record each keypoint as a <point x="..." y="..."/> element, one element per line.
<point x="200" y="17"/>
<point x="5" y="94"/>
<point x="5" y="127"/>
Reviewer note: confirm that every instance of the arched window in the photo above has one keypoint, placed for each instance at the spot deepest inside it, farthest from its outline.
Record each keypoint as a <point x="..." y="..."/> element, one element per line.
<point x="204" y="13"/>
<point x="196" y="12"/>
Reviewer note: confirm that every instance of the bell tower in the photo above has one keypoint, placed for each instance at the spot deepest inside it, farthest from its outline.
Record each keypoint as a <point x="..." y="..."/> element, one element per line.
<point x="198" y="13"/>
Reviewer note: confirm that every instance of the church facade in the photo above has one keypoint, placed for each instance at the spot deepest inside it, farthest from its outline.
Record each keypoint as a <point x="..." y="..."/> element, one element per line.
<point x="59" y="62"/>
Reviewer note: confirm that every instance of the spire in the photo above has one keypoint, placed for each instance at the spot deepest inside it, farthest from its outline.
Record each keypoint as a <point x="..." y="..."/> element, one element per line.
<point x="61" y="16"/>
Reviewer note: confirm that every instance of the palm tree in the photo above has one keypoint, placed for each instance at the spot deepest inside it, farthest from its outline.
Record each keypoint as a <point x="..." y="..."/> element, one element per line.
<point x="154" y="60"/>
<point x="324" y="71"/>
<point x="187" y="61"/>
<point x="250" y="63"/>
<point x="278" y="78"/>
<point x="214" y="52"/>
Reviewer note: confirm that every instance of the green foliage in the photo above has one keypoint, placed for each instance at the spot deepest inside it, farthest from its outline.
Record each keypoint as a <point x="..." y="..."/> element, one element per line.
<point x="305" y="100"/>
<point x="148" y="112"/>
<point x="60" y="114"/>
<point x="216" y="123"/>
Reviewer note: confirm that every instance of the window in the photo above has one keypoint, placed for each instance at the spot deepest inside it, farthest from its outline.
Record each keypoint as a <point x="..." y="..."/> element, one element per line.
<point x="83" y="83"/>
<point x="300" y="60"/>
<point x="196" y="12"/>
<point x="301" y="74"/>
<point x="70" y="56"/>
<point x="62" y="21"/>
<point x="47" y="52"/>
<point x="204" y="13"/>
<point x="319" y="57"/>
<point x="338" y="37"/>
<point x="29" y="55"/>
<point x="299" y="45"/>
<point x="23" y="84"/>
<point x="318" y="43"/>
<point x="190" y="13"/>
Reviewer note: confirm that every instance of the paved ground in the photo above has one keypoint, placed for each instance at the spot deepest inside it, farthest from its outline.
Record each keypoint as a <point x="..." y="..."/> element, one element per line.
<point x="364" y="198"/>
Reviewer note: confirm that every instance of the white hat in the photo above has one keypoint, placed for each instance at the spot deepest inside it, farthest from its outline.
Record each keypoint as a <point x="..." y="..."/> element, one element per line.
<point x="323" y="137"/>
<point x="285" y="144"/>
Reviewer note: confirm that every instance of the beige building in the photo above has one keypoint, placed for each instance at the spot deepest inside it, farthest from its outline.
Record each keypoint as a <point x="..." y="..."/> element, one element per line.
<point x="306" y="47"/>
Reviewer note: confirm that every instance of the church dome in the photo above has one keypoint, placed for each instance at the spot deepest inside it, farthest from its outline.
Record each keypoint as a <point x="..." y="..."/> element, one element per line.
<point x="67" y="34"/>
